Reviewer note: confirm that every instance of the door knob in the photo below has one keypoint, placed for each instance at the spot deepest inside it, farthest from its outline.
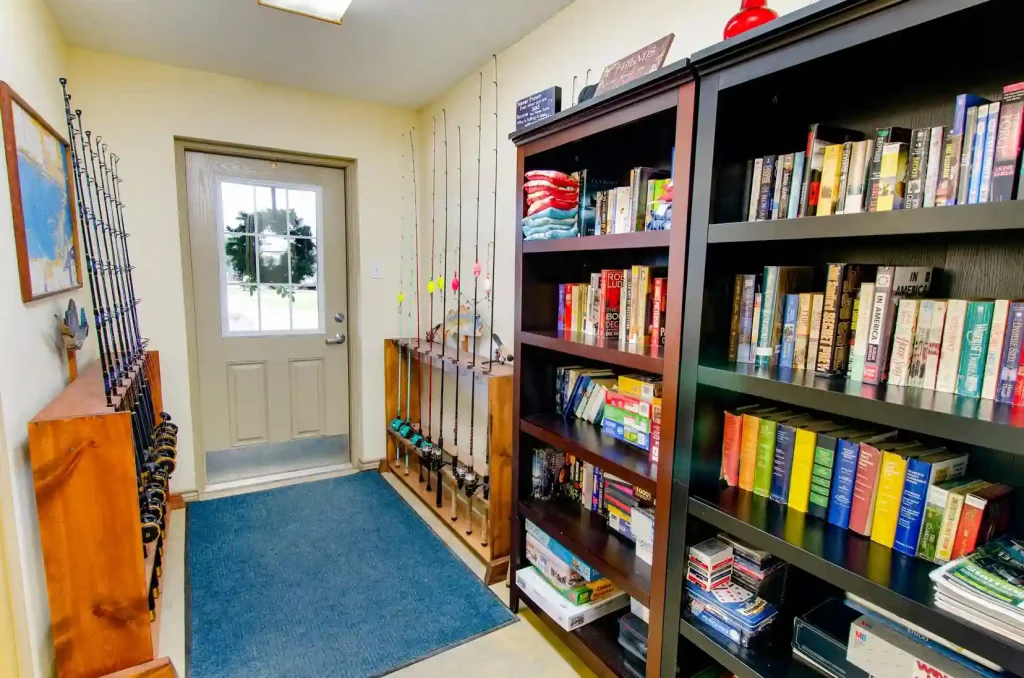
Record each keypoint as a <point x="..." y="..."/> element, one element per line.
<point x="339" y="317"/>
<point x="335" y="340"/>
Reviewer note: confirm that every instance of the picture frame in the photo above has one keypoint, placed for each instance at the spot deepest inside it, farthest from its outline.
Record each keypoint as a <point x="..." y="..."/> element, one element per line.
<point x="43" y="204"/>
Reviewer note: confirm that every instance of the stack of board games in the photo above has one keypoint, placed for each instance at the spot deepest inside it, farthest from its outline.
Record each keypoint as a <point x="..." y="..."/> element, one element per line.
<point x="620" y="499"/>
<point x="559" y="573"/>
<point x="733" y="611"/>
<point x="757" y="571"/>
<point x="627" y="306"/>
<point x="821" y="637"/>
<point x="710" y="565"/>
<point x="567" y="615"/>
<point x="976" y="160"/>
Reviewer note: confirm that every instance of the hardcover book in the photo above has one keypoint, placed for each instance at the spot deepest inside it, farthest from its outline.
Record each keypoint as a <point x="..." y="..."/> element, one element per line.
<point x="814" y="333"/>
<point x="1011" y="353"/>
<point x="951" y="519"/>
<point x="945" y="192"/>
<point x="986" y="514"/>
<point x="755" y="326"/>
<point x="796" y="189"/>
<point x="903" y="342"/>
<point x="561" y="308"/>
<point x="734" y="323"/>
<point x="764" y="203"/>
<point x="883" y="136"/>
<point x="892" y="183"/>
<point x="1006" y="170"/>
<point x="988" y="160"/>
<point x="978" y="157"/>
<point x="732" y="438"/>
<point x="967" y="154"/>
<point x="919" y="352"/>
<point x="755" y="190"/>
<point x="611" y="292"/>
<point x="936" y="148"/>
<point x="831" y="169"/>
<point x="594" y="304"/>
<point x="975" y="345"/>
<point x="931" y="519"/>
<point x="818" y="137"/>
<point x="743" y="354"/>
<point x="829" y="318"/>
<point x="777" y="189"/>
<point x="782" y="463"/>
<point x="922" y="472"/>
<point x="890" y="493"/>
<point x="891" y="284"/>
<point x="865" y="487"/>
<point x="765" y="461"/>
<point x="802" y="468"/>
<point x="847" y="455"/>
<point x="789" y="320"/>
<point x="781" y="208"/>
<point x="844" y="177"/>
<point x="803" y="327"/>
<point x="856" y="184"/>
<point x="917" y="167"/>
<point x="994" y="353"/>
<point x="952" y="343"/>
<point x="821" y="471"/>
<point x="934" y="349"/>
<point x="866" y="300"/>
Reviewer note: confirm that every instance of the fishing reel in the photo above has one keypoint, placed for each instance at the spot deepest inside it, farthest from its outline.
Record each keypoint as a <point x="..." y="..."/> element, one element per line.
<point x="417" y="440"/>
<point x="486" y="489"/>
<point x="396" y="424"/>
<point x="470" y="484"/>
<point x="405" y="430"/>
<point x="459" y="473"/>
<point x="151" y="527"/>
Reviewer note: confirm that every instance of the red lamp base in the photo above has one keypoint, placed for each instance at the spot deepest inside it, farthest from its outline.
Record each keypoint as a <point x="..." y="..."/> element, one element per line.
<point x="748" y="19"/>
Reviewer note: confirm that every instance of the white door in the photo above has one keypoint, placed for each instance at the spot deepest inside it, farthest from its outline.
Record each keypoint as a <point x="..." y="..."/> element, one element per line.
<point x="269" y="281"/>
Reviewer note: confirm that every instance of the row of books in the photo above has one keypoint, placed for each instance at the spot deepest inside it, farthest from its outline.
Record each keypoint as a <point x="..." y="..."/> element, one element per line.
<point x="902" y="494"/>
<point x="977" y="160"/>
<point x="628" y="509"/>
<point x="871" y="325"/>
<point x="644" y="204"/>
<point x="624" y="304"/>
<point x="626" y="407"/>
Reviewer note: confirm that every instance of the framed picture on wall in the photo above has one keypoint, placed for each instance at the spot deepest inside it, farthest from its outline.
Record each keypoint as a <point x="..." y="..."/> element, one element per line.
<point x="42" y="200"/>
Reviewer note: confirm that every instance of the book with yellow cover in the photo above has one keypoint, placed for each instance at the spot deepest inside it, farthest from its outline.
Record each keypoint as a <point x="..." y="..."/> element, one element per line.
<point x="803" y="463"/>
<point x="828" y="197"/>
<point x="890" y="493"/>
<point x="748" y="445"/>
<point x="892" y="183"/>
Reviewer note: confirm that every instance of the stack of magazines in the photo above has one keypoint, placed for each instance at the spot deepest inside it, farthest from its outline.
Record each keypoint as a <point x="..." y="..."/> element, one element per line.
<point x="986" y="587"/>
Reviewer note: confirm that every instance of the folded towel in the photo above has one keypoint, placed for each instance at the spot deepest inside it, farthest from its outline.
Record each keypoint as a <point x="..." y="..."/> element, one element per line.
<point x="554" y="235"/>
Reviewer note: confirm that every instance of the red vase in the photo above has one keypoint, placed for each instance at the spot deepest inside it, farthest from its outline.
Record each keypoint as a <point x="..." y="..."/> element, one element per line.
<point x="753" y="13"/>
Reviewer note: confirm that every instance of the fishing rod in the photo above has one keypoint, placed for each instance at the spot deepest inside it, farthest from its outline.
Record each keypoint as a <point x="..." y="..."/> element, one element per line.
<point x="489" y="292"/>
<point x="417" y="437"/>
<point x="397" y="423"/>
<point x="437" y="456"/>
<point x="408" y="430"/>
<point x="427" y="448"/>
<point x="458" y="472"/>
<point x="472" y="478"/>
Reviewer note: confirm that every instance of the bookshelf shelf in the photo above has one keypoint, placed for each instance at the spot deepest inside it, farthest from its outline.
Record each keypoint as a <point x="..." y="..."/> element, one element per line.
<point x="645" y="357"/>
<point x="757" y="662"/>
<point x="595" y="643"/>
<point x="586" y="441"/>
<point x="584" y="533"/>
<point x="885" y="577"/>
<point x="1001" y="216"/>
<point x="974" y="421"/>
<point x="617" y="241"/>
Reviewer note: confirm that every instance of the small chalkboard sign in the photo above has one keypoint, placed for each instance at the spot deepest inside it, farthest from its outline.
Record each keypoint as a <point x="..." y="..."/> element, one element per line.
<point x="636" y="65"/>
<point x="536" y="107"/>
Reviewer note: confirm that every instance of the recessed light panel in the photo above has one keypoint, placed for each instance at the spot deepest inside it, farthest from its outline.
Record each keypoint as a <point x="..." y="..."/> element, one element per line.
<point x="325" y="10"/>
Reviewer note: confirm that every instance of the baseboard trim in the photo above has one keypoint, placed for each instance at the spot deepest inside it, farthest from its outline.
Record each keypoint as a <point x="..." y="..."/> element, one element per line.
<point x="228" y="489"/>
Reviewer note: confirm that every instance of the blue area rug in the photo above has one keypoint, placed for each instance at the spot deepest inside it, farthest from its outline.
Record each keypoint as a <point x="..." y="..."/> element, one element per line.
<point x="332" y="578"/>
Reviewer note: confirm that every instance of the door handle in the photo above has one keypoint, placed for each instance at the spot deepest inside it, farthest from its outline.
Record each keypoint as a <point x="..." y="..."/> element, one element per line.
<point x="337" y="339"/>
<point x="339" y="317"/>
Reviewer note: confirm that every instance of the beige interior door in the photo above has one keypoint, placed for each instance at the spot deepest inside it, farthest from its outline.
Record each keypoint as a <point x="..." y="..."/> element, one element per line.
<point x="267" y="241"/>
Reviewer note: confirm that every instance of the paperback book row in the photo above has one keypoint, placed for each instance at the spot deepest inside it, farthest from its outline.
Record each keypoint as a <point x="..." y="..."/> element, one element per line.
<point x="626" y="407"/>
<point x="872" y="324"/>
<point x="853" y="638"/>
<point x="624" y="304"/>
<point x="905" y="495"/>
<point x="976" y="160"/>
<point x="560" y="205"/>
<point x="628" y="509"/>
<point x="734" y="588"/>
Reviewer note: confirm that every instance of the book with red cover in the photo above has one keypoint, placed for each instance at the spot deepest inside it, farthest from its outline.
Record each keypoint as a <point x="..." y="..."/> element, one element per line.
<point x="569" y="291"/>
<point x="658" y="311"/>
<point x="611" y="297"/>
<point x="986" y="514"/>
<point x="731" y="439"/>
<point x="1018" y="389"/>
<point x="865" y="487"/>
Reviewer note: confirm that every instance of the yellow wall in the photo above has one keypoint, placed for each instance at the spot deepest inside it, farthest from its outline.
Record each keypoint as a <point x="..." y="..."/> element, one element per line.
<point x="8" y="641"/>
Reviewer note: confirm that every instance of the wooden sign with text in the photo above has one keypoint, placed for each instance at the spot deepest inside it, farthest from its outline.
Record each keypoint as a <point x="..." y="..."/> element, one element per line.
<point x="636" y="65"/>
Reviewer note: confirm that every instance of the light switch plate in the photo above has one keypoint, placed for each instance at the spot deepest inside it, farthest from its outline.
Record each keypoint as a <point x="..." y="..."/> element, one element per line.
<point x="377" y="271"/>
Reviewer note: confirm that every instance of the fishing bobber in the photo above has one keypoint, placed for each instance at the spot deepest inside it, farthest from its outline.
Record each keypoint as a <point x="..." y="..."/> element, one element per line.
<point x="430" y="287"/>
<point x="455" y="282"/>
<point x="440" y="282"/>
<point x="487" y="286"/>
<point x="476" y="269"/>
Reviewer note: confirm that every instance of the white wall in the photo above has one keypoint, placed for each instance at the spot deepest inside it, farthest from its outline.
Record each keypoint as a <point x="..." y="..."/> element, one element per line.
<point x="140" y="107"/>
<point x="32" y="370"/>
<point x="586" y="34"/>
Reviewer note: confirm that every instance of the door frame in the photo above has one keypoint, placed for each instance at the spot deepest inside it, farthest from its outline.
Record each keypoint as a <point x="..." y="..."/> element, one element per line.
<point x="183" y="145"/>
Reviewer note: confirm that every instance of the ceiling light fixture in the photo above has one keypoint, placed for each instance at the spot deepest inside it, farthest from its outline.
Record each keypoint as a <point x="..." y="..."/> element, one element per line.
<point x="324" y="10"/>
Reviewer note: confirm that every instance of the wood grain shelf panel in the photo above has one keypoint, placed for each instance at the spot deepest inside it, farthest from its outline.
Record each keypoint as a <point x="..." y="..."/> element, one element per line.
<point x="757" y="662"/>
<point x="881" y="575"/>
<point x="1000" y="216"/>
<point x="586" y="534"/>
<point x="975" y="421"/>
<point x="614" y="241"/>
<point x="595" y="643"/>
<point x="644" y="357"/>
<point x="586" y="441"/>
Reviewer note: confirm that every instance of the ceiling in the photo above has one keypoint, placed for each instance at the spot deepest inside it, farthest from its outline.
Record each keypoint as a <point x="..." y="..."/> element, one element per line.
<point x="402" y="52"/>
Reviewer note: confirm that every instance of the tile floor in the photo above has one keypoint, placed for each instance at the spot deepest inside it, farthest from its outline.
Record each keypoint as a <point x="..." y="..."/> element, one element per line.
<point x="525" y="649"/>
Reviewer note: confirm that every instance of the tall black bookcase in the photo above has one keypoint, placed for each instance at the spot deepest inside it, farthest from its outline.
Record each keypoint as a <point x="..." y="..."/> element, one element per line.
<point x="862" y="65"/>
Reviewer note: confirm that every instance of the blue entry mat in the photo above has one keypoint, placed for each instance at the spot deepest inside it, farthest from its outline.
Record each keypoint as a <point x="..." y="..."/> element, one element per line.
<point x="332" y="578"/>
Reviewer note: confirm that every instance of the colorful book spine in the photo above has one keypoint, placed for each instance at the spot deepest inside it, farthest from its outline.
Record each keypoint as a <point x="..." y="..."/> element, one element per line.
<point x="755" y="325"/>
<point x="781" y="208"/>
<point x="934" y="350"/>
<point x="892" y="185"/>
<point x="931" y="519"/>
<point x="945" y="194"/>
<point x="952" y="343"/>
<point x="978" y="159"/>
<point x="866" y="300"/>
<point x="844" y="176"/>
<point x="994" y="353"/>
<point x="844" y="319"/>
<point x="977" y="327"/>
<point x="967" y="153"/>
<point x="920" y="348"/>
<point x="922" y="472"/>
<point x="734" y="324"/>
<point x="1006" y="169"/>
<point x="917" y="167"/>
<point x="561" y="308"/>
<point x="985" y="514"/>
<point x="821" y="474"/>
<point x="802" y="469"/>
<point x="936" y="147"/>
<point x="814" y="334"/>
<point x="569" y="289"/>
<point x="831" y="169"/>
<point x="803" y="327"/>
<point x="765" y="460"/>
<point x="876" y="350"/>
<point x="988" y="160"/>
<point x="903" y="342"/>
<point x="782" y="464"/>
<point x="796" y="190"/>
<point x="755" y="190"/>
<point x="746" y="319"/>
<point x="659" y="292"/>
<point x="594" y="304"/>
<point x="777" y="188"/>
<point x="1011" y="353"/>
<point x="829" y="318"/>
<point x="890" y="495"/>
<point x="732" y="436"/>
<point x="951" y="519"/>
<point x="748" y="450"/>
<point x="847" y="455"/>
<point x="765" y="350"/>
<point x="882" y="137"/>
<point x="764" y="204"/>
<point x="789" y="321"/>
<point x="865" y="489"/>
<point x="611" y="289"/>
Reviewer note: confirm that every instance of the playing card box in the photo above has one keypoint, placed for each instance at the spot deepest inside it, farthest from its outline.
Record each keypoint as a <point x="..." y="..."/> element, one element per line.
<point x="733" y="611"/>
<point x="710" y="564"/>
<point x="743" y="549"/>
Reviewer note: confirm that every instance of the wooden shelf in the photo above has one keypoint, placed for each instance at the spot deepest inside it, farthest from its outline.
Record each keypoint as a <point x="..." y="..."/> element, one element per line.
<point x="586" y="441"/>
<point x="885" y="577"/>
<point x="596" y="643"/>
<point x="645" y="357"/>
<point x="764" y="661"/>
<point x="615" y="241"/>
<point x="585" y="534"/>
<point x="1000" y="216"/>
<point x="975" y="421"/>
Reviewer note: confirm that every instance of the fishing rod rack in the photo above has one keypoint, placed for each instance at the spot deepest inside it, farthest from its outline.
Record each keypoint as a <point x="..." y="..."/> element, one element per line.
<point x="490" y="516"/>
<point x="103" y="450"/>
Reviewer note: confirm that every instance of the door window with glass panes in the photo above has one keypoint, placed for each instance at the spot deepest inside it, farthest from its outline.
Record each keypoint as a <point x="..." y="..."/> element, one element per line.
<point x="270" y="269"/>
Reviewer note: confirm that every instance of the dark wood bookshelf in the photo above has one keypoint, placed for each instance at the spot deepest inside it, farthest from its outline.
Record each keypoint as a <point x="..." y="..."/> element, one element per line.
<point x="763" y="660"/>
<point x="974" y="421"/>
<point x="596" y="643"/>
<point x="585" y="533"/>
<point x="876" y="573"/>
<point x="645" y="357"/>
<point x="613" y="241"/>
<point x="1000" y="216"/>
<point x="586" y="441"/>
